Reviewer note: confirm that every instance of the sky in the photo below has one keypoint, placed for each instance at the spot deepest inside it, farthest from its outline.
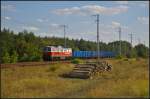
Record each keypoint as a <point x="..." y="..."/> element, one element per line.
<point x="45" y="18"/>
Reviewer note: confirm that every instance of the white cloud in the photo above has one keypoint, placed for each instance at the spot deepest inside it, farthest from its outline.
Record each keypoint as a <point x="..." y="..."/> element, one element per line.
<point x="7" y="18"/>
<point x="146" y="4"/>
<point x="115" y="24"/>
<point x="85" y="22"/>
<point x="55" y="28"/>
<point x="42" y="20"/>
<point x="31" y="28"/>
<point x="141" y="3"/>
<point x="39" y="20"/>
<point x="54" y="25"/>
<point x="143" y="20"/>
<point x="125" y="27"/>
<point x="134" y="3"/>
<point x="91" y="9"/>
<point x="8" y="7"/>
<point x="73" y="10"/>
<point x="43" y="34"/>
<point x="122" y="2"/>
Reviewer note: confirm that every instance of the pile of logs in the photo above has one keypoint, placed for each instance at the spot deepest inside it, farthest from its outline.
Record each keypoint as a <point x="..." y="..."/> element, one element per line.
<point x="89" y="70"/>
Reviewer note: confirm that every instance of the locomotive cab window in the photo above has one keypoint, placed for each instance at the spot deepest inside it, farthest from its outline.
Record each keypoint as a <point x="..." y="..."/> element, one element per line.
<point x="47" y="49"/>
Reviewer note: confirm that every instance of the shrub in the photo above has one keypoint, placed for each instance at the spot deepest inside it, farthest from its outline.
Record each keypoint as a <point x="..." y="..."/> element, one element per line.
<point x="6" y="58"/>
<point x="76" y="61"/>
<point x="126" y="59"/>
<point x="14" y="57"/>
<point x="138" y="59"/>
<point x="24" y="58"/>
<point x="53" y="68"/>
<point x="131" y="54"/>
<point x="29" y="58"/>
<point x="35" y="58"/>
<point x="119" y="57"/>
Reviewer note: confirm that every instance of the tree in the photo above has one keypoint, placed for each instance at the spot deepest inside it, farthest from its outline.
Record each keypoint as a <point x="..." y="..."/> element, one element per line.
<point x="6" y="58"/>
<point x="25" y="46"/>
<point x="142" y="50"/>
<point x="14" y="57"/>
<point x="82" y="45"/>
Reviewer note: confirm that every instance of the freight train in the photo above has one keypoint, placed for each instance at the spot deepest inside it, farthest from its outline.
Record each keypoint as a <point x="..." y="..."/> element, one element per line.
<point x="60" y="53"/>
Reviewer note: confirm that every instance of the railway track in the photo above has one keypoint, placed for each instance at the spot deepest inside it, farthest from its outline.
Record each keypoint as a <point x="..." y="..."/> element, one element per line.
<point x="31" y="63"/>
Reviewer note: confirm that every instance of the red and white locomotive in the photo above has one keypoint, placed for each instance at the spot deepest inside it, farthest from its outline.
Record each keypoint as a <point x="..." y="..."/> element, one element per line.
<point x="56" y="53"/>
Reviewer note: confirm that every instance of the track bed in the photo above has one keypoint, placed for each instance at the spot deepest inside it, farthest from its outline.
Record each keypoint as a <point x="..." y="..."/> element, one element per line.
<point x="31" y="63"/>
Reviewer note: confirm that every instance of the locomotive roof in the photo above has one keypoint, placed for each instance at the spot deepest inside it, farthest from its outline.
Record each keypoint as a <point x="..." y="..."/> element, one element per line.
<point x="55" y="46"/>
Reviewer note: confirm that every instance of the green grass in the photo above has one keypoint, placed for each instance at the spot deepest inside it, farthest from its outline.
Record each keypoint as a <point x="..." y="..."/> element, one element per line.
<point x="127" y="79"/>
<point x="77" y="61"/>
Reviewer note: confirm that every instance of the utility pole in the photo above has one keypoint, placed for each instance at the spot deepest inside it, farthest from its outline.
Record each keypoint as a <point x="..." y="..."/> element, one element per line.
<point x="131" y="37"/>
<point x="125" y="48"/>
<point x="114" y="43"/>
<point x="139" y="40"/>
<point x="144" y="43"/>
<point x="120" y="40"/>
<point x="97" y="21"/>
<point x="113" y="46"/>
<point x="100" y="46"/>
<point x="64" y="26"/>
<point x="145" y="49"/>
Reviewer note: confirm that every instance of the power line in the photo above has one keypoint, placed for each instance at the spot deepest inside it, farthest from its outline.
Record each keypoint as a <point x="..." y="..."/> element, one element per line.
<point x="139" y="40"/>
<point x="144" y="43"/>
<point x="97" y="21"/>
<point x="64" y="26"/>
<point x="131" y="38"/>
<point x="125" y="48"/>
<point x="113" y="45"/>
<point x="119" y="40"/>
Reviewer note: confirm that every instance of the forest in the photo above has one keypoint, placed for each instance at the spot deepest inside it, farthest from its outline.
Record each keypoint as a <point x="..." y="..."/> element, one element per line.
<point x="25" y="46"/>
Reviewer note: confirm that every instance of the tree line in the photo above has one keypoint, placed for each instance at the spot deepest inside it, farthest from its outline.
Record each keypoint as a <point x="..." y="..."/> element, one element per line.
<point x="25" y="46"/>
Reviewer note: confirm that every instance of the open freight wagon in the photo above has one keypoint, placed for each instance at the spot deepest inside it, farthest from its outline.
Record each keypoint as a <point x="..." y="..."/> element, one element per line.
<point x="93" y="54"/>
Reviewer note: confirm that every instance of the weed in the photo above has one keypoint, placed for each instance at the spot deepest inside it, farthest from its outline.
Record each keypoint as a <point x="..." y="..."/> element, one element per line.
<point x="126" y="59"/>
<point x="76" y="61"/>
<point x="118" y="57"/>
<point x="53" y="68"/>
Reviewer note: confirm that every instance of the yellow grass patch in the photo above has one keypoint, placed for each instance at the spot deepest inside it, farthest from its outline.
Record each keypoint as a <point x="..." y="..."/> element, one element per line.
<point x="127" y="79"/>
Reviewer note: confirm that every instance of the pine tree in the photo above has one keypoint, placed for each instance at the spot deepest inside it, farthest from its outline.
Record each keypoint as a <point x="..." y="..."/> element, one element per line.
<point x="6" y="58"/>
<point x="14" y="57"/>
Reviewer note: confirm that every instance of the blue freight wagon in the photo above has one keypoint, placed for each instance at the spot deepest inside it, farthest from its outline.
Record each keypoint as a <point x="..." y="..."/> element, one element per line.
<point x="107" y="54"/>
<point x="82" y="54"/>
<point x="93" y="54"/>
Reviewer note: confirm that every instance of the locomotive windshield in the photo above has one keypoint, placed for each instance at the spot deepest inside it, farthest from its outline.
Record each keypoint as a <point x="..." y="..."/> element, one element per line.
<point x="46" y="49"/>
